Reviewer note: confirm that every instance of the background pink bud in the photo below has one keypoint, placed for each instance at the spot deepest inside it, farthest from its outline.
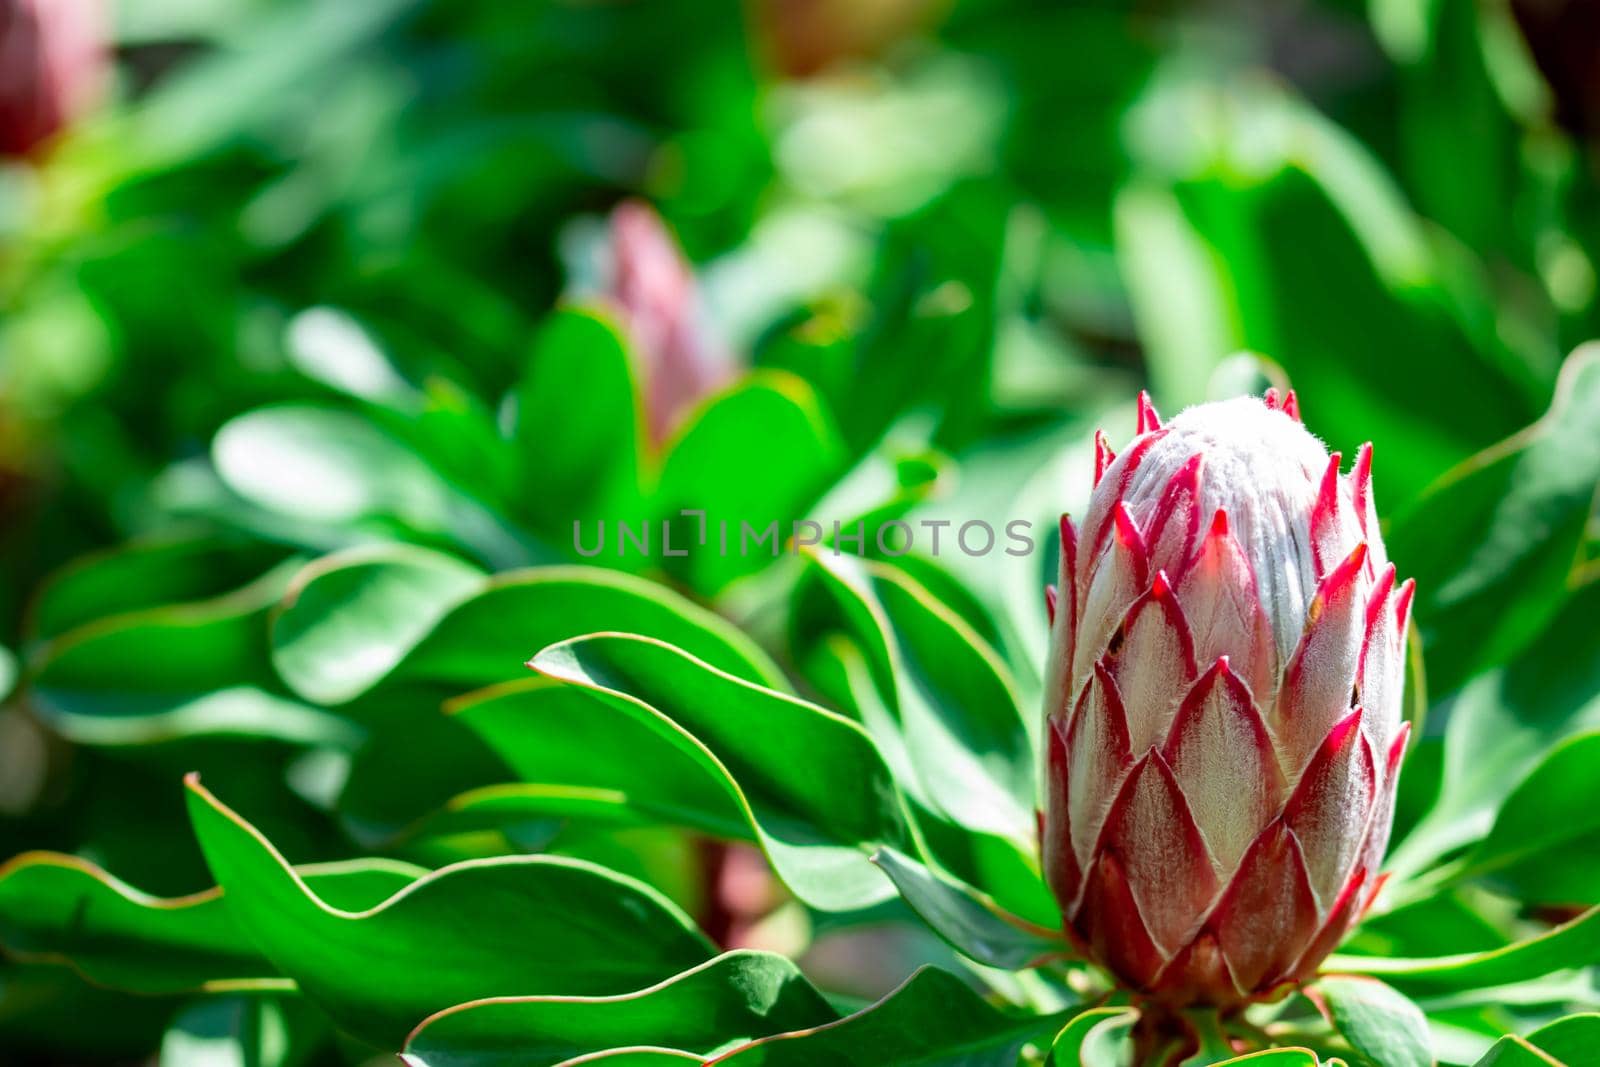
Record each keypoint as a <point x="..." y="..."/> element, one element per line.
<point x="652" y="286"/>
<point x="52" y="67"/>
<point x="1223" y="710"/>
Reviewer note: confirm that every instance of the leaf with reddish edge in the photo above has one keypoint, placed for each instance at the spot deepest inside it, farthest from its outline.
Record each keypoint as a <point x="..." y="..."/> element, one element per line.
<point x="65" y="909"/>
<point x="728" y="1000"/>
<point x="933" y="1020"/>
<point x="811" y="783"/>
<point x="1572" y="944"/>
<point x="970" y="920"/>
<point x="513" y="925"/>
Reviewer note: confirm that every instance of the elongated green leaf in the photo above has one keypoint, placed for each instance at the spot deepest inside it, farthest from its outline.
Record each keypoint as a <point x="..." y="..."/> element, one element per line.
<point x="348" y="618"/>
<point x="525" y="925"/>
<point x="1545" y="842"/>
<point x="63" y="908"/>
<point x="812" y="785"/>
<point x="1514" y="1051"/>
<point x="332" y="467"/>
<point x="973" y="923"/>
<point x="577" y="755"/>
<point x="759" y="453"/>
<point x="1572" y="944"/>
<point x="417" y="760"/>
<point x="1378" y="1021"/>
<point x="1074" y="1045"/>
<point x="244" y="1031"/>
<point x="583" y="455"/>
<point x="1493" y="543"/>
<point x="1570" y="1040"/>
<point x="933" y="1019"/>
<point x="485" y="638"/>
<point x="145" y="575"/>
<point x="175" y="671"/>
<point x="949" y="710"/>
<point x="1517" y="712"/>
<point x="729" y="1000"/>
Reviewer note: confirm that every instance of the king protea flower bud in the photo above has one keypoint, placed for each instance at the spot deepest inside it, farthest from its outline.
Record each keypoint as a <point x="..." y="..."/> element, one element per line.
<point x="654" y="290"/>
<point x="1223" y="705"/>
<point x="52" y="66"/>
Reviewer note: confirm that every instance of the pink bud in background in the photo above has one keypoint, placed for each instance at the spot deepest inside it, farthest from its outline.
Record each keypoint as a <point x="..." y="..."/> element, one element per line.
<point x="1223" y="704"/>
<point x="52" y="68"/>
<point x="652" y="286"/>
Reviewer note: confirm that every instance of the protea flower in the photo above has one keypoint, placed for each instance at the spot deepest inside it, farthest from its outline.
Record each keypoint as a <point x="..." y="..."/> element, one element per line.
<point x="654" y="290"/>
<point x="1223" y="709"/>
<point x="52" y="65"/>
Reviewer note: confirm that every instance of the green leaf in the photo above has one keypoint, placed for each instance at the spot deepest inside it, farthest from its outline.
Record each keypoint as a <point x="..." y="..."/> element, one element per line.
<point x="577" y="428"/>
<point x="759" y="453"/>
<point x="485" y="639"/>
<point x="1515" y="712"/>
<point x="65" y="909"/>
<point x="969" y="920"/>
<point x="145" y="575"/>
<point x="513" y="926"/>
<point x="1084" y="1031"/>
<point x="729" y="1000"/>
<point x="1545" y="843"/>
<point x="244" y="1031"/>
<point x="810" y="782"/>
<point x="339" y="470"/>
<point x="1567" y="1042"/>
<point x="349" y="618"/>
<point x="1572" y="944"/>
<point x="177" y="671"/>
<point x="947" y="708"/>
<point x="1378" y="1021"/>
<point x="933" y="1020"/>
<point x="418" y="760"/>
<point x="1493" y="543"/>
<point x="575" y="755"/>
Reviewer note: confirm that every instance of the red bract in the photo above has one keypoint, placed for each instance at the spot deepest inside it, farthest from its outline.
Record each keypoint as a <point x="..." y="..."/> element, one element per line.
<point x="52" y="66"/>
<point x="1223" y="711"/>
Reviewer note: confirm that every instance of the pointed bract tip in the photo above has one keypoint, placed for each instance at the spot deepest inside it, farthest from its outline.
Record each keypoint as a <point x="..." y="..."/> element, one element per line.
<point x="1402" y="602"/>
<point x="1160" y="586"/>
<point x="1291" y="405"/>
<point x="1270" y="397"/>
<point x="1219" y="523"/>
<point x="1069" y="532"/>
<point x="1148" y="419"/>
<point x="1397" y="750"/>
<point x="1103" y="456"/>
